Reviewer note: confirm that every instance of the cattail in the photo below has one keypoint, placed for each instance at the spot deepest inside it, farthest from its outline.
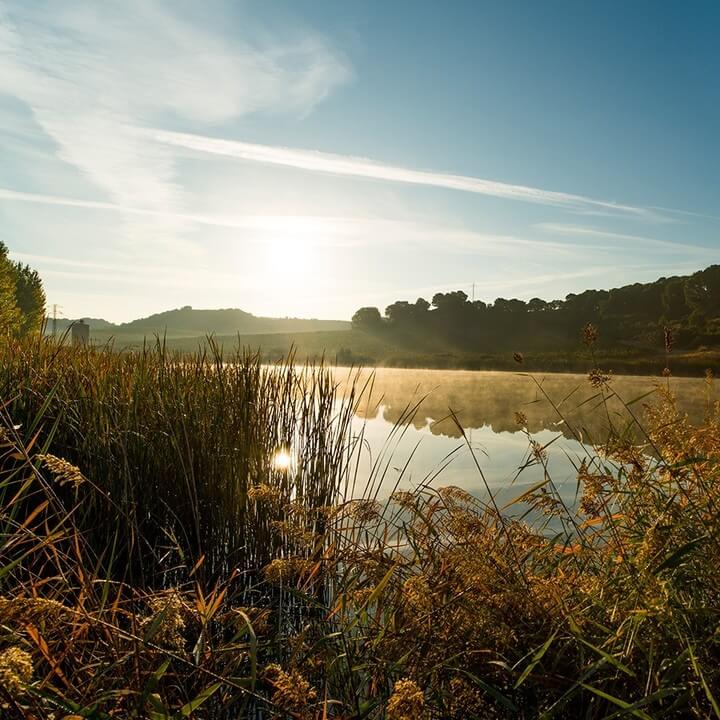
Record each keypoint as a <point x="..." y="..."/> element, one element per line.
<point x="538" y="451"/>
<point x="405" y="499"/>
<point x="16" y="669"/>
<point x="668" y="336"/>
<point x="590" y="334"/>
<point x="416" y="593"/>
<point x="283" y="570"/>
<point x="262" y="493"/>
<point x="594" y="489"/>
<point x="406" y="702"/>
<point x="363" y="510"/>
<point x="168" y="620"/>
<point x="453" y="493"/>
<point x="295" y="533"/>
<point x="291" y="691"/>
<point x="521" y="419"/>
<point x="598" y="378"/>
<point x="21" y="611"/>
<point x="64" y="473"/>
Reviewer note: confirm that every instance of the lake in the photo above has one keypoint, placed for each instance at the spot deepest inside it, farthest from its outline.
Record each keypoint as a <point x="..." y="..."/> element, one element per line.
<point x="409" y="435"/>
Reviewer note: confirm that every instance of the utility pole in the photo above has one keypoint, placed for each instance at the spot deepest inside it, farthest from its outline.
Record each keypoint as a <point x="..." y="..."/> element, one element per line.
<point x="56" y="307"/>
<point x="473" y="293"/>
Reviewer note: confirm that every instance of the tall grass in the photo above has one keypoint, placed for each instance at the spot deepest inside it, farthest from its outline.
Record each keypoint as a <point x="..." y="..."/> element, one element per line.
<point x="156" y="562"/>
<point x="173" y="445"/>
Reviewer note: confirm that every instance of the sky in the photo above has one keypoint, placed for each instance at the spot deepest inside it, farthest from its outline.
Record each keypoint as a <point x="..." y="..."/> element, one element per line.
<point x="308" y="157"/>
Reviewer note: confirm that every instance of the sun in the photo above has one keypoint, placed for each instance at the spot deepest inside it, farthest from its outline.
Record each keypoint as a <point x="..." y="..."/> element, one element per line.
<point x="282" y="460"/>
<point x="290" y="261"/>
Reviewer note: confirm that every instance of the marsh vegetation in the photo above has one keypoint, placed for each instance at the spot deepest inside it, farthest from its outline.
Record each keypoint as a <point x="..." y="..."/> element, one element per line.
<point x="179" y="538"/>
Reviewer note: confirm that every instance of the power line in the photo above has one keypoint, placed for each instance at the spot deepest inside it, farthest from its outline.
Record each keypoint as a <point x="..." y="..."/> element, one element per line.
<point x="56" y="307"/>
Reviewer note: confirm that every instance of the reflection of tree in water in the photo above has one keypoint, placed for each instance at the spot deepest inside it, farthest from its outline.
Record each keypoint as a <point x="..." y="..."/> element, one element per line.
<point x="491" y="399"/>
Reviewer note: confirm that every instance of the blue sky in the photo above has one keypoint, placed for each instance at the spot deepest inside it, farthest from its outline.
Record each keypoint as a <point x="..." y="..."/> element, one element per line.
<point x="308" y="157"/>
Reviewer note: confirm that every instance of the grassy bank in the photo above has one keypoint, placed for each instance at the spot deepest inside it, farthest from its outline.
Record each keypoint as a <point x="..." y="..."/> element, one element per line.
<point x="174" y="543"/>
<point x="355" y="347"/>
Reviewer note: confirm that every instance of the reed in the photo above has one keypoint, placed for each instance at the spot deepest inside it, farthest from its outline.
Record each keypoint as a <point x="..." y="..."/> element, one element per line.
<point x="173" y="448"/>
<point x="156" y="561"/>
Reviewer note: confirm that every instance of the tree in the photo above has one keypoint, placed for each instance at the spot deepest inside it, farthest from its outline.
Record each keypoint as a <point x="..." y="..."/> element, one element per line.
<point x="450" y="302"/>
<point x="634" y="314"/>
<point x="711" y="277"/>
<point x="673" y="299"/>
<point x="30" y="298"/>
<point x="513" y="305"/>
<point x="367" y="318"/>
<point x="586" y="306"/>
<point x="399" y="313"/>
<point x="537" y="305"/>
<point x="10" y="316"/>
<point x="421" y="306"/>
<point x="702" y="292"/>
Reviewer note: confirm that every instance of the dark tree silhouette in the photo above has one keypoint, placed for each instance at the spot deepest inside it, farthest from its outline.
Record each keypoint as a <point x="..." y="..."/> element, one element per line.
<point x="367" y="318"/>
<point x="634" y="315"/>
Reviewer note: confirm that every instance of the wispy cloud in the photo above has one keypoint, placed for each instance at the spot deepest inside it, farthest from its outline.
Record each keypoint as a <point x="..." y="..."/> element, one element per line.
<point x="348" y="165"/>
<point x="92" y="72"/>
<point x="686" y="213"/>
<point x="636" y="240"/>
<point x="329" y="231"/>
<point x="168" y="276"/>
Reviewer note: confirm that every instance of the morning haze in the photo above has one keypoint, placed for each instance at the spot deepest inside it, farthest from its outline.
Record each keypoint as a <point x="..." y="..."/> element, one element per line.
<point x="357" y="360"/>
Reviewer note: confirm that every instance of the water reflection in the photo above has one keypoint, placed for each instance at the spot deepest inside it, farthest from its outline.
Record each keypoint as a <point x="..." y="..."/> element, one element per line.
<point x="561" y="412"/>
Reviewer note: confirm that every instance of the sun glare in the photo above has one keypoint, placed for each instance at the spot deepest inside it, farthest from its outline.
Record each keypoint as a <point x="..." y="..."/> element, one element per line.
<point x="282" y="460"/>
<point x="290" y="261"/>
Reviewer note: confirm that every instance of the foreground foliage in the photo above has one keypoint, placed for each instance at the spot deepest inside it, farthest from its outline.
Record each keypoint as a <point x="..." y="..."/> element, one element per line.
<point x="156" y="560"/>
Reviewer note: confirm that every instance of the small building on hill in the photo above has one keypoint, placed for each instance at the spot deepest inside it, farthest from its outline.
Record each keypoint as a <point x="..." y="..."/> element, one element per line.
<point x="80" y="333"/>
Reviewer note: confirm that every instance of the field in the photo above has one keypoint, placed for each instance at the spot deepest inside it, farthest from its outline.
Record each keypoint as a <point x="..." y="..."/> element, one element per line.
<point x="175" y="542"/>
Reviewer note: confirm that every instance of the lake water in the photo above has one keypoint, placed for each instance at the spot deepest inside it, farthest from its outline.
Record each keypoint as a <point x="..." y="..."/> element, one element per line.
<point x="409" y="435"/>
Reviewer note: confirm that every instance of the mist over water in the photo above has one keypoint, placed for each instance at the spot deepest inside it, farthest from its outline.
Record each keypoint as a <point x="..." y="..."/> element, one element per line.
<point x="410" y="437"/>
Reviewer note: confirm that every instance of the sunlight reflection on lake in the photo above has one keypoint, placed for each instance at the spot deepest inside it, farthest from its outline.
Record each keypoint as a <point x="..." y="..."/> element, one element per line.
<point x="562" y="413"/>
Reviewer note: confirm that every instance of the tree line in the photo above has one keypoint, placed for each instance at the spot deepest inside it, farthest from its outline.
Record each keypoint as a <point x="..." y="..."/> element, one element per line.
<point x="22" y="298"/>
<point x="637" y="314"/>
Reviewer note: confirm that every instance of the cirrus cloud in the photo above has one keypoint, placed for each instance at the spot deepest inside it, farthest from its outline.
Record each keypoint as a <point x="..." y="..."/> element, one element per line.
<point x="93" y="72"/>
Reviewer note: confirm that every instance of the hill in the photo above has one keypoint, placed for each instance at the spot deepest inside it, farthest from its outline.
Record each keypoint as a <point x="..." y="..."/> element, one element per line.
<point x="638" y="326"/>
<point x="681" y="312"/>
<point x="188" y="322"/>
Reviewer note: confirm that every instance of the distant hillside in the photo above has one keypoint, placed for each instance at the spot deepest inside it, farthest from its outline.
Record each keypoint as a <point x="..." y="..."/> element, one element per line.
<point x="681" y="312"/>
<point x="189" y="322"/>
<point x="641" y="328"/>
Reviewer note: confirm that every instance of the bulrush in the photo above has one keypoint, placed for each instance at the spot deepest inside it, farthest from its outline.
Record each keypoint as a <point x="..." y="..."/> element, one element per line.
<point x="21" y="611"/>
<point x="406" y="702"/>
<point x="166" y="625"/>
<point x="291" y="691"/>
<point x="16" y="670"/>
<point x="63" y="472"/>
